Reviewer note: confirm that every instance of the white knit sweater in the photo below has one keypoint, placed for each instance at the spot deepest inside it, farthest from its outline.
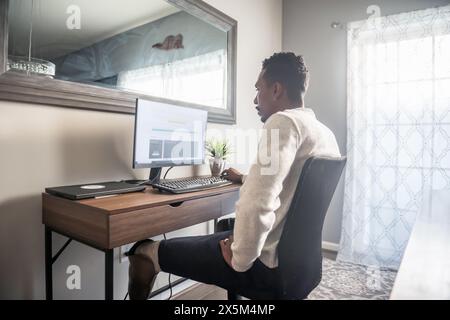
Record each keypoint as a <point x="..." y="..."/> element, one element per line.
<point x="268" y="189"/>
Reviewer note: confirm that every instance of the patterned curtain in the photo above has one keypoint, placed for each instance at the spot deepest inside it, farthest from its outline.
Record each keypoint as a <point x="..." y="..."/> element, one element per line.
<point x="398" y="135"/>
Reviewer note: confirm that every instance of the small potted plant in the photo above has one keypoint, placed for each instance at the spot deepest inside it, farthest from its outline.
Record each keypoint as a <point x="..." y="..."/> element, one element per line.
<point x="217" y="152"/>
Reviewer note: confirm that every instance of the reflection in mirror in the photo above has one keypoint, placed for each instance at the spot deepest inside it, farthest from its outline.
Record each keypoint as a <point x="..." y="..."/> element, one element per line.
<point x="150" y="47"/>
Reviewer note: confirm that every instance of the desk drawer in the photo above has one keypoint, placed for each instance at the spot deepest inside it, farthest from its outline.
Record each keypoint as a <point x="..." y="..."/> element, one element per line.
<point x="145" y="223"/>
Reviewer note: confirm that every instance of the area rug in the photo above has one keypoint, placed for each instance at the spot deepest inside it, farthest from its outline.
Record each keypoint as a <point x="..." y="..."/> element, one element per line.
<point x="347" y="281"/>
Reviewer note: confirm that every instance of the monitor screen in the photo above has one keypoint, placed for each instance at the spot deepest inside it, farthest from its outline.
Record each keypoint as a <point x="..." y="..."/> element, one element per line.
<point x="168" y="135"/>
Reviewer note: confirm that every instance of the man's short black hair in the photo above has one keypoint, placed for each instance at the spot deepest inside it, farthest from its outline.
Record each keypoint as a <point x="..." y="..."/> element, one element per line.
<point x="289" y="70"/>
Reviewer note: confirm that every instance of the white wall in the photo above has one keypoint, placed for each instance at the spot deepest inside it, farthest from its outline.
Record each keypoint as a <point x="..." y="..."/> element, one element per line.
<point x="307" y="31"/>
<point x="44" y="146"/>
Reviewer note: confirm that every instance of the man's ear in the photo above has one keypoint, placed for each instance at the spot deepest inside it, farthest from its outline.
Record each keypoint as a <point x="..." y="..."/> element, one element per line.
<point x="277" y="91"/>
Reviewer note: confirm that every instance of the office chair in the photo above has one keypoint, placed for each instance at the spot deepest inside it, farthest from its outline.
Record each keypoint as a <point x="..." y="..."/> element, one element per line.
<point x="300" y="246"/>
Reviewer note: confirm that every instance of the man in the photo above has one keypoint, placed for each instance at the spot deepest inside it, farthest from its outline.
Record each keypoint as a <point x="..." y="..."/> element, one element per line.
<point x="247" y="256"/>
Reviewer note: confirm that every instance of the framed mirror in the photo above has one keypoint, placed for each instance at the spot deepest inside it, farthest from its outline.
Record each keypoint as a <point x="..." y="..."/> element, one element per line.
<point x="104" y="54"/>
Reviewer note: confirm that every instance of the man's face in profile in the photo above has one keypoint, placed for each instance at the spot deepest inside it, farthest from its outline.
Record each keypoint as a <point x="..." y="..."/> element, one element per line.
<point x="264" y="99"/>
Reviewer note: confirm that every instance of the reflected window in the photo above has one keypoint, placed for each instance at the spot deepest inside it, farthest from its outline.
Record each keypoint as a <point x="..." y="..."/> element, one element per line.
<point x="199" y="79"/>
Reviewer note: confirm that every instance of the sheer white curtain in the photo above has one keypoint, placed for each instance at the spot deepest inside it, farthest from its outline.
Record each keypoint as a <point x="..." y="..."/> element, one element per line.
<point x="200" y="79"/>
<point x="398" y="119"/>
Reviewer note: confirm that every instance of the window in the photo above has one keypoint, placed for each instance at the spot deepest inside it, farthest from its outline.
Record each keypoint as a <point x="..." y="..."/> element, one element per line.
<point x="398" y="130"/>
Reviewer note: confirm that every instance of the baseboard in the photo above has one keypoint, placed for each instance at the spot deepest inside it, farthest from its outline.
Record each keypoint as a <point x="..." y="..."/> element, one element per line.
<point x="330" y="246"/>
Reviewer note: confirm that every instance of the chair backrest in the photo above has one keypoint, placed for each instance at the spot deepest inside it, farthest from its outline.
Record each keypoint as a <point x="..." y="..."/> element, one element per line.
<point x="300" y="246"/>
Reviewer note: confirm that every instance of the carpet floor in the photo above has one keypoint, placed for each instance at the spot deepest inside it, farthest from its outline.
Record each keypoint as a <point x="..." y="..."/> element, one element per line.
<point x="347" y="281"/>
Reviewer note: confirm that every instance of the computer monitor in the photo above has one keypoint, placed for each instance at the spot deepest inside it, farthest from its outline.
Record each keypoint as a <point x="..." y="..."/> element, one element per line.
<point x="167" y="135"/>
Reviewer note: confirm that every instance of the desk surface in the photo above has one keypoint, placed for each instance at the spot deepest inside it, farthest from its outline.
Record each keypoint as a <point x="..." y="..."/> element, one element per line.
<point x="150" y="198"/>
<point x="425" y="269"/>
<point x="110" y="222"/>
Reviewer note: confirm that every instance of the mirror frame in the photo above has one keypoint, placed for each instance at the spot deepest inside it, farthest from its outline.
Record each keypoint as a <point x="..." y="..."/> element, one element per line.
<point x="42" y="90"/>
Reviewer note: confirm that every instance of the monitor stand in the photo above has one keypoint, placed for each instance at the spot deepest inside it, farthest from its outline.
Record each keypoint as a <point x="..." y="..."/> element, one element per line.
<point x="155" y="175"/>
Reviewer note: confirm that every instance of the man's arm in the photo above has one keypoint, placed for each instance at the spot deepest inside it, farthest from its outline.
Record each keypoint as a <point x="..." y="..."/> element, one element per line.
<point x="259" y="196"/>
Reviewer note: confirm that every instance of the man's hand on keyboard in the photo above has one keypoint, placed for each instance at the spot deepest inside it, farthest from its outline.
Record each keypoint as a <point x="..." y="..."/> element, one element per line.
<point x="232" y="175"/>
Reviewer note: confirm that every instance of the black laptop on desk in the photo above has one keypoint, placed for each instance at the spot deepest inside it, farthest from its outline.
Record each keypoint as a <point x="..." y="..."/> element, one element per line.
<point x="84" y="191"/>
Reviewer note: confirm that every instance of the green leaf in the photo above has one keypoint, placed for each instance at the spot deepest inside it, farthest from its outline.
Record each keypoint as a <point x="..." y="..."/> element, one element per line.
<point x="217" y="149"/>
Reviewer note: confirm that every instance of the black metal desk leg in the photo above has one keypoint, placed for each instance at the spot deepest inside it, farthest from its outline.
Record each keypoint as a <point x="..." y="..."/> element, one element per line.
<point x="109" y="274"/>
<point x="48" y="264"/>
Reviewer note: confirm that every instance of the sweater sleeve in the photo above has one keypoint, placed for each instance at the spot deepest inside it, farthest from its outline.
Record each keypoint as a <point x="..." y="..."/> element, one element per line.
<point x="259" y="196"/>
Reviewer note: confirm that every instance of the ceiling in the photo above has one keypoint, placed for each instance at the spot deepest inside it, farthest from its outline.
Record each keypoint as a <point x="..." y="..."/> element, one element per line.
<point x="99" y="19"/>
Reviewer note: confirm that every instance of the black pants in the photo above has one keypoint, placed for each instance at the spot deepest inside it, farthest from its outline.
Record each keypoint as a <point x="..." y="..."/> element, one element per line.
<point x="200" y="258"/>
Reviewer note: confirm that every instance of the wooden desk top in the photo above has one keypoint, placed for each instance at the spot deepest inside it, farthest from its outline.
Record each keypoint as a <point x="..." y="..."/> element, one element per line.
<point x="150" y="198"/>
<point x="425" y="269"/>
<point x="109" y="222"/>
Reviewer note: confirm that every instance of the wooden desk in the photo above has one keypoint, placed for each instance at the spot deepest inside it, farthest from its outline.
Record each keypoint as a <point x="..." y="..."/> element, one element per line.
<point x="111" y="222"/>
<point x="425" y="269"/>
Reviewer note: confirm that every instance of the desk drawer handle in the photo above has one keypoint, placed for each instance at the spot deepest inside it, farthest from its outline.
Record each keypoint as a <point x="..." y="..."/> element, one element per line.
<point x="176" y="204"/>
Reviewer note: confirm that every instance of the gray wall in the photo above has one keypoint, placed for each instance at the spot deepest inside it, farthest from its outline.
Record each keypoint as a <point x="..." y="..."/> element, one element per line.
<point x="307" y="31"/>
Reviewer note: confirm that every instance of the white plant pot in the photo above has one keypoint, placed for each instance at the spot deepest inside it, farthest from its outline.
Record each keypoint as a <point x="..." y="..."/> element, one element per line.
<point x="217" y="165"/>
